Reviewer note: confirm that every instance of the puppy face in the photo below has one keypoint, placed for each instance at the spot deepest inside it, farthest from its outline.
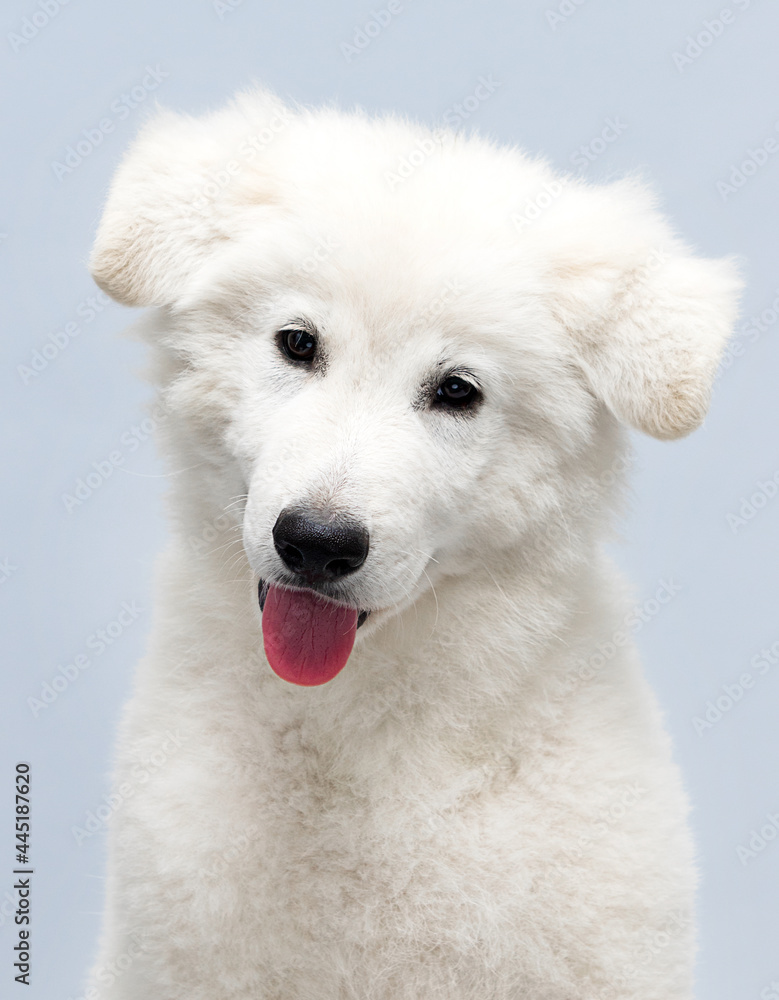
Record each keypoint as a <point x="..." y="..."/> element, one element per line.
<point x="412" y="400"/>
<point x="404" y="381"/>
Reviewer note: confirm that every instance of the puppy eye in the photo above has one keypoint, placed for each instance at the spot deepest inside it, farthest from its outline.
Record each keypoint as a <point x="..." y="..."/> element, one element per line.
<point x="457" y="393"/>
<point x="297" y="344"/>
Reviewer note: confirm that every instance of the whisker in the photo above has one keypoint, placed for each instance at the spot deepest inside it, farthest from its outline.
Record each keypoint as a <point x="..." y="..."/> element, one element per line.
<point x="159" y="475"/>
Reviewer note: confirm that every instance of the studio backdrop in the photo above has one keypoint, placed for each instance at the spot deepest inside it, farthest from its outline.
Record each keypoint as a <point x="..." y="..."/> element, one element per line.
<point x="682" y="94"/>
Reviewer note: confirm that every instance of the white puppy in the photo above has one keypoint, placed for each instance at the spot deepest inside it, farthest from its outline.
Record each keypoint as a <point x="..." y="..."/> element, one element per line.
<point x="393" y="366"/>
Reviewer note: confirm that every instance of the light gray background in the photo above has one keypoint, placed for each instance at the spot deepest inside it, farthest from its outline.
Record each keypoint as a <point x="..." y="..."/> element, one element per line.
<point x="71" y="571"/>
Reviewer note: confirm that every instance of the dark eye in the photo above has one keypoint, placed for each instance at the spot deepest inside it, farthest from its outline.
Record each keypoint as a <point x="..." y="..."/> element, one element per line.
<point x="297" y="344"/>
<point x="457" y="393"/>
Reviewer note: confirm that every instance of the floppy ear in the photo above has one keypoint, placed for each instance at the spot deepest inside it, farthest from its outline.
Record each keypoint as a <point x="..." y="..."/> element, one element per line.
<point x="185" y="186"/>
<point x="648" y="320"/>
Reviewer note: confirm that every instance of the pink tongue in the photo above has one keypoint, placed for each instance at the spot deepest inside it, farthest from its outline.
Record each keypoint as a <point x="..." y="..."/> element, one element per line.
<point x="307" y="639"/>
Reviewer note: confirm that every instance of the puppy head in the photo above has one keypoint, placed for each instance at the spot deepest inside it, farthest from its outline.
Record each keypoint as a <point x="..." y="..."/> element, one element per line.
<point x="409" y="371"/>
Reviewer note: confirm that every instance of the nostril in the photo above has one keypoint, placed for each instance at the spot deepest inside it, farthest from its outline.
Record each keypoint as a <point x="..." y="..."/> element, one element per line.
<point x="340" y="567"/>
<point x="290" y="553"/>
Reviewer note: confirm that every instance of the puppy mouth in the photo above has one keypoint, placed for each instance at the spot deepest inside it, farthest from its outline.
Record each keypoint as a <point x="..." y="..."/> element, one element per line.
<point x="307" y="637"/>
<point x="262" y="592"/>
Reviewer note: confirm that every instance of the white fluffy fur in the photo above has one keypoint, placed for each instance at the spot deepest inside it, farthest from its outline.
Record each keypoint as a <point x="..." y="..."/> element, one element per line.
<point x="451" y="817"/>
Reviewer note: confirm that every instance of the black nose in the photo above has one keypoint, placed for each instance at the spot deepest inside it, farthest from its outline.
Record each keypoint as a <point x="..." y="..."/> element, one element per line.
<point x="319" y="545"/>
